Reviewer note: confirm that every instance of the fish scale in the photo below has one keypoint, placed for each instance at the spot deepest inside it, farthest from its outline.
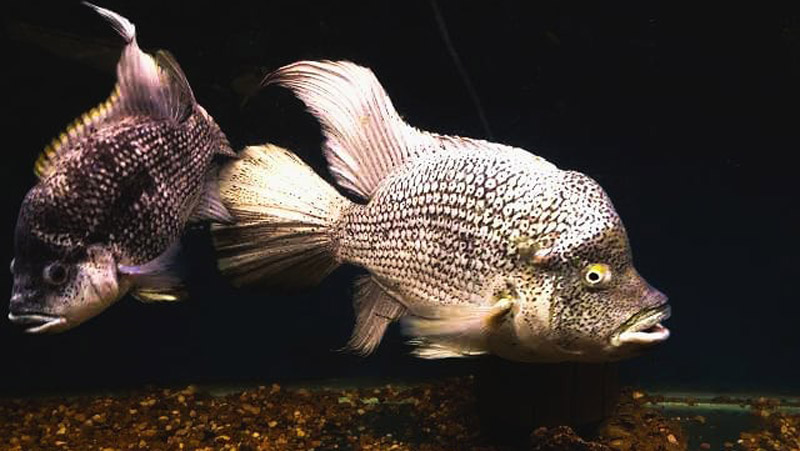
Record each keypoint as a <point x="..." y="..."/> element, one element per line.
<point x="120" y="183"/>
<point x="476" y="247"/>
<point x="434" y="228"/>
<point x="115" y="192"/>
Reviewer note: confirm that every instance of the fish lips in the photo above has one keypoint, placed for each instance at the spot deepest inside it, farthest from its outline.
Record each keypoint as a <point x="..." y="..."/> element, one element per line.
<point x="644" y="328"/>
<point x="39" y="322"/>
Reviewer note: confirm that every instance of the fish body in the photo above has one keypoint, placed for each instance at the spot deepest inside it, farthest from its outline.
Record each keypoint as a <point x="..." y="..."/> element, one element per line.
<point x="115" y="192"/>
<point x="476" y="247"/>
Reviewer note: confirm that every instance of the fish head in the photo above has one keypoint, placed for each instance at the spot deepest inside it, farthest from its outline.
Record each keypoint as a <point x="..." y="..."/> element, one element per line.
<point x="603" y="310"/>
<point x="587" y="297"/>
<point x="58" y="283"/>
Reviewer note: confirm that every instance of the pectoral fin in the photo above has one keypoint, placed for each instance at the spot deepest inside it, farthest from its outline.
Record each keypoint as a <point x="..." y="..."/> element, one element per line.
<point x="162" y="294"/>
<point x="160" y="279"/>
<point x="455" y="330"/>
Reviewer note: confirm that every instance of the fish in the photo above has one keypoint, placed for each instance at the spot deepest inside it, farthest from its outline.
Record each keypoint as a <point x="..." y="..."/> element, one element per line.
<point x="474" y="247"/>
<point x="114" y="193"/>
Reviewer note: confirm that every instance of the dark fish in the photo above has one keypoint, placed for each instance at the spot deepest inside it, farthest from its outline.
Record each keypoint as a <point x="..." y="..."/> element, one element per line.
<point x="115" y="191"/>
<point x="478" y="246"/>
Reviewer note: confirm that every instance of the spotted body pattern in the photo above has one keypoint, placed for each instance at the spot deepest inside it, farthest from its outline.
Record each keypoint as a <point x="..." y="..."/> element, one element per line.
<point x="438" y="228"/>
<point x="133" y="183"/>
<point x="478" y="247"/>
<point x="115" y="192"/>
<point x="455" y="228"/>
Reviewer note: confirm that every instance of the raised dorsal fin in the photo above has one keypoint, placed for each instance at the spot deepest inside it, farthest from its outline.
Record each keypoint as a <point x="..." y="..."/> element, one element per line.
<point x="146" y="86"/>
<point x="149" y="86"/>
<point x="366" y="139"/>
<point x="47" y="159"/>
<point x="179" y="98"/>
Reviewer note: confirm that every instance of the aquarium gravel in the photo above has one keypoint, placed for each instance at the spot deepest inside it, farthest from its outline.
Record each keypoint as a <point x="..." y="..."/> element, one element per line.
<point x="439" y="415"/>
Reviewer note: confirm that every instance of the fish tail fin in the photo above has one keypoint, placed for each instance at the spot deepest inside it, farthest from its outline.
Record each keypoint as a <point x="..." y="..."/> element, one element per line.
<point x="284" y="218"/>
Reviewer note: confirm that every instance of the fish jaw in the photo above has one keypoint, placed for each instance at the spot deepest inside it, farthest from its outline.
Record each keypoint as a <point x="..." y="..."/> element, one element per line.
<point x="39" y="322"/>
<point x="94" y="300"/>
<point x="94" y="286"/>
<point x="644" y="328"/>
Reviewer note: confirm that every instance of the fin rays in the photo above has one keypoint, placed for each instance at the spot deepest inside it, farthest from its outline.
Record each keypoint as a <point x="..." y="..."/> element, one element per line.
<point x="154" y="87"/>
<point x="283" y="215"/>
<point x="47" y="160"/>
<point x="365" y="137"/>
<point x="375" y="310"/>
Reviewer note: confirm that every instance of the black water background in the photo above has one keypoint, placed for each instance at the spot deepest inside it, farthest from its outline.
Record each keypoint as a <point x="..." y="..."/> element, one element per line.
<point x="687" y="117"/>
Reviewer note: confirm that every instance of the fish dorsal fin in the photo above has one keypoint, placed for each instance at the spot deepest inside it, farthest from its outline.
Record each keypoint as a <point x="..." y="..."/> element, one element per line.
<point x="148" y="86"/>
<point x="365" y="136"/>
<point x="180" y="97"/>
<point x="154" y="87"/>
<point x="87" y="121"/>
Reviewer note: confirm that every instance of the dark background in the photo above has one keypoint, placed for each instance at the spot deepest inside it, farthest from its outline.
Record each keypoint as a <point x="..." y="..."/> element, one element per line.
<point x="688" y="118"/>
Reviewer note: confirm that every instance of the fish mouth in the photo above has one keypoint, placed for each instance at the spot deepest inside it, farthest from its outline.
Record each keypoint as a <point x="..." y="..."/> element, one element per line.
<point x="644" y="328"/>
<point x="38" y="322"/>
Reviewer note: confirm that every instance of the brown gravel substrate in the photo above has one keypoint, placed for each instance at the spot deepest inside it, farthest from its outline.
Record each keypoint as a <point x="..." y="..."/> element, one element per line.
<point x="778" y="430"/>
<point x="426" y="417"/>
<point x="636" y="427"/>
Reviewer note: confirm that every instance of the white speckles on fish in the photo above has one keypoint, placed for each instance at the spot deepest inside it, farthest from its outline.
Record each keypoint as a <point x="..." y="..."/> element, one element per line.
<point x="115" y="191"/>
<point x="479" y="247"/>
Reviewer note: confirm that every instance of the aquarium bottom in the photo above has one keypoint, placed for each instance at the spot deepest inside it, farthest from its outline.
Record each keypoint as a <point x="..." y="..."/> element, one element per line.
<point x="440" y="415"/>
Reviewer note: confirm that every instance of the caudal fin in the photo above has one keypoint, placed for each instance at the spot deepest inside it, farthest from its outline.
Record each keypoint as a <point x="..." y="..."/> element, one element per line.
<point x="283" y="213"/>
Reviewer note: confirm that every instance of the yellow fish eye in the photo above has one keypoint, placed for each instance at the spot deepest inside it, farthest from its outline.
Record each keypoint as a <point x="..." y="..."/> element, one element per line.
<point x="596" y="274"/>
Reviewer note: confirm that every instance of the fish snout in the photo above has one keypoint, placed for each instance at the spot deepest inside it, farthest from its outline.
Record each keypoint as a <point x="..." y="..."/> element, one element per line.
<point x="644" y="327"/>
<point x="25" y="298"/>
<point x="26" y="312"/>
<point x="655" y="298"/>
<point x="17" y="303"/>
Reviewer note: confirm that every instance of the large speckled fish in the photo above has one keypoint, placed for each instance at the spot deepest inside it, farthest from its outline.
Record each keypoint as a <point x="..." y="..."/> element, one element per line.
<point x="479" y="247"/>
<point x="114" y="194"/>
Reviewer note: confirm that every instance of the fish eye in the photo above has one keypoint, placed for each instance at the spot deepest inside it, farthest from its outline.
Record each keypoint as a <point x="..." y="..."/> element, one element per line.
<point x="596" y="275"/>
<point x="55" y="273"/>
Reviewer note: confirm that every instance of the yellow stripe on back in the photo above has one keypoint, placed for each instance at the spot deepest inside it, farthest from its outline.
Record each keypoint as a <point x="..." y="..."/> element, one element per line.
<point x="48" y="159"/>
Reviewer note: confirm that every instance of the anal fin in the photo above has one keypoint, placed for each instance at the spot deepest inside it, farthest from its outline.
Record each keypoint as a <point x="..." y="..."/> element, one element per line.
<point x="375" y="310"/>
